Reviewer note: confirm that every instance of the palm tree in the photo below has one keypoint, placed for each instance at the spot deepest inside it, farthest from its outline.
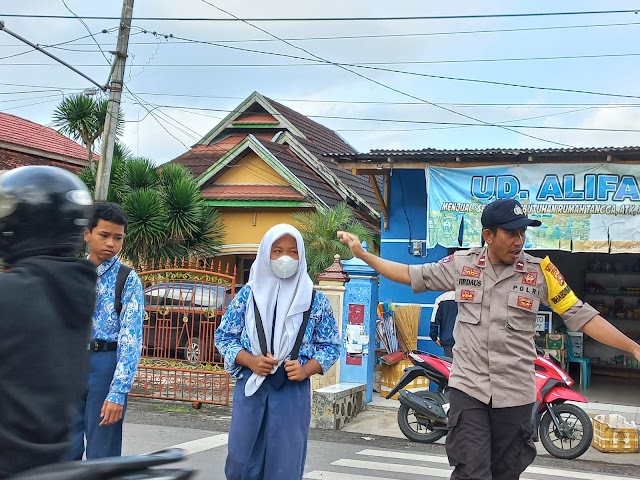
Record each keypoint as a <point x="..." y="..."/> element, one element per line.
<point x="319" y="229"/>
<point x="168" y="217"/>
<point x="82" y="119"/>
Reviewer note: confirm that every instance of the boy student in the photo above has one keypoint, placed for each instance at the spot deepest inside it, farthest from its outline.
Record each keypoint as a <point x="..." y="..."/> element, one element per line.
<point x="116" y="339"/>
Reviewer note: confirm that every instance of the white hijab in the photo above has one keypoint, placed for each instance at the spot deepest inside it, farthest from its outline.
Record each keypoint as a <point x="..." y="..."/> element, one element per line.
<point x="292" y="296"/>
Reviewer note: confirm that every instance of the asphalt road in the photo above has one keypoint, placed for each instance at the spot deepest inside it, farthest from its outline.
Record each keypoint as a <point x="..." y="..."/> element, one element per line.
<point x="153" y="425"/>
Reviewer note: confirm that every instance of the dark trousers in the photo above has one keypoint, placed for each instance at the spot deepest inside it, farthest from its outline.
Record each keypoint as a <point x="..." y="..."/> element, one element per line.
<point x="105" y="441"/>
<point x="448" y="350"/>
<point x="486" y="443"/>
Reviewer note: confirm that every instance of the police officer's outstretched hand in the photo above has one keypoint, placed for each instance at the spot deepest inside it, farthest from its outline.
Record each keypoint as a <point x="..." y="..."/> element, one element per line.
<point x="352" y="241"/>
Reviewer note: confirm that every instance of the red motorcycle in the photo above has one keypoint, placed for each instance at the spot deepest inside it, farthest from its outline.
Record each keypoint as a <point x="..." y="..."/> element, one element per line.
<point x="564" y="429"/>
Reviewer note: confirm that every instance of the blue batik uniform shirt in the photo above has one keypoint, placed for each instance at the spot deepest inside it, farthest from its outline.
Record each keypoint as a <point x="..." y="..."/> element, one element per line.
<point x="126" y="329"/>
<point x="321" y="339"/>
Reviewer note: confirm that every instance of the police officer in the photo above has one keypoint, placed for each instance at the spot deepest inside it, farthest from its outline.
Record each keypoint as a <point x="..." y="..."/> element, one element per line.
<point x="499" y="289"/>
<point x="46" y="300"/>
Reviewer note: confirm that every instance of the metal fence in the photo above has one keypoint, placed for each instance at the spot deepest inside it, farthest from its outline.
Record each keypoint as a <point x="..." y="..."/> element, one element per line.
<point x="184" y="303"/>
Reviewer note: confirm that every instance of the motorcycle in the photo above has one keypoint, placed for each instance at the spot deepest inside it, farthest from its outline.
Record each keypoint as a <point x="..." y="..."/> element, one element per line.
<point x="565" y="430"/>
<point x="118" y="468"/>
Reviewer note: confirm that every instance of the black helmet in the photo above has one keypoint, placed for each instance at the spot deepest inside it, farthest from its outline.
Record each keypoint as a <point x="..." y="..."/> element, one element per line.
<point x="43" y="210"/>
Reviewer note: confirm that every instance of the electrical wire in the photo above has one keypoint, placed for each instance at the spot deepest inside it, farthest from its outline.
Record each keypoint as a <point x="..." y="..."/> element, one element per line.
<point x="344" y="66"/>
<point x="388" y="87"/>
<point x="352" y="64"/>
<point x="398" y="35"/>
<point x="87" y="28"/>
<point x="335" y="19"/>
<point x="388" y="120"/>
<point x="54" y="45"/>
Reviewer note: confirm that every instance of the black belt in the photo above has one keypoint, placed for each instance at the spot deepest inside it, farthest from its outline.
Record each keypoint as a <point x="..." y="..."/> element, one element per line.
<point x="102" y="346"/>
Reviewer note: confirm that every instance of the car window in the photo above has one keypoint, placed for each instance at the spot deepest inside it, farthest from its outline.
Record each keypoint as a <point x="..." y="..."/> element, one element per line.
<point x="208" y="296"/>
<point x="186" y="294"/>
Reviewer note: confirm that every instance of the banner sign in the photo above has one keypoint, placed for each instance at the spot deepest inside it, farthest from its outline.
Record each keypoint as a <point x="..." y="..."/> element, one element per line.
<point x="582" y="207"/>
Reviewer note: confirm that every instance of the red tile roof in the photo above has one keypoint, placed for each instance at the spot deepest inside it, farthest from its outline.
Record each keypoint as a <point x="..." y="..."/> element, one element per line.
<point x="25" y="133"/>
<point x="10" y="159"/>
<point x="251" y="192"/>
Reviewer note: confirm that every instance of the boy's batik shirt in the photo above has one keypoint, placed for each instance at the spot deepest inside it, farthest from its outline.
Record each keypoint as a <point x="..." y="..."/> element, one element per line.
<point x="126" y="329"/>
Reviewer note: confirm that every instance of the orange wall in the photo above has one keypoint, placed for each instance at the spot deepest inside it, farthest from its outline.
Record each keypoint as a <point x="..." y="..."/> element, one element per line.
<point x="248" y="226"/>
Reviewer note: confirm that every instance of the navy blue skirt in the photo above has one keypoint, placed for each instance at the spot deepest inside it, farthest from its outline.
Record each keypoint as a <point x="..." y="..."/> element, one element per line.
<point x="269" y="431"/>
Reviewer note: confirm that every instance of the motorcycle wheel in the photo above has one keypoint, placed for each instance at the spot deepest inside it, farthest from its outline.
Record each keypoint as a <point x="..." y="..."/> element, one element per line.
<point x="414" y="430"/>
<point x="575" y="436"/>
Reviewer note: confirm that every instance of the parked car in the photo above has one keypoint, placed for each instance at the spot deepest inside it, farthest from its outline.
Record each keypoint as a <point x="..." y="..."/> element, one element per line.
<point x="181" y="319"/>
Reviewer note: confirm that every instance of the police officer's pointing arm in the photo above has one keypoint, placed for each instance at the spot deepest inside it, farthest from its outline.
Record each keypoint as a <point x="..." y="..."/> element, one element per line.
<point x="429" y="276"/>
<point x="398" y="272"/>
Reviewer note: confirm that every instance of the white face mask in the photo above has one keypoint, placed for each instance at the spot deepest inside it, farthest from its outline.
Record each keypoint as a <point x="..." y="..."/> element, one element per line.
<point x="284" y="267"/>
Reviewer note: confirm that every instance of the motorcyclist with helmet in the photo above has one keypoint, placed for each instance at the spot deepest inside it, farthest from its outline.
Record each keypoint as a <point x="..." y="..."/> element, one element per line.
<point x="47" y="297"/>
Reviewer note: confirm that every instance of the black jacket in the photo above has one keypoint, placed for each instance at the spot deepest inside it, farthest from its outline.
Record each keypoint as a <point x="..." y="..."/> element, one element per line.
<point x="46" y="304"/>
<point x="444" y="322"/>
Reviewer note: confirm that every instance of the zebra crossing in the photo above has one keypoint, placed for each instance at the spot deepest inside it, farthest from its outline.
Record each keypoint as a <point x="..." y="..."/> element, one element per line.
<point x="373" y="464"/>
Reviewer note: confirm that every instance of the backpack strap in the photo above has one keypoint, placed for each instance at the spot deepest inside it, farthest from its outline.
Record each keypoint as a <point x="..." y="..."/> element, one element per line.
<point x="121" y="279"/>
<point x="260" y="328"/>
<point x="303" y="328"/>
<point x="296" y="346"/>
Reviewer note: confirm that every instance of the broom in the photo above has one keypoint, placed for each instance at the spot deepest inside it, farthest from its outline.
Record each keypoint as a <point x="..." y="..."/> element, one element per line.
<point x="407" y="318"/>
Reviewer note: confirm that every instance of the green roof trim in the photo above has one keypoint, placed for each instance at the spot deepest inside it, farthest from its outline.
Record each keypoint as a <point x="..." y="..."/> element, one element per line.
<point x="254" y="125"/>
<point x="256" y="203"/>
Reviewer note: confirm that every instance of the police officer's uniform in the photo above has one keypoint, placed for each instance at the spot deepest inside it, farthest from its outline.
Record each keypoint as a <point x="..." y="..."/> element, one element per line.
<point x="492" y="379"/>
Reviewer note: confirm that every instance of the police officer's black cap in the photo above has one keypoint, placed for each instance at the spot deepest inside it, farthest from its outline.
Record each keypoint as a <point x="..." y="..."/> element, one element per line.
<point x="506" y="213"/>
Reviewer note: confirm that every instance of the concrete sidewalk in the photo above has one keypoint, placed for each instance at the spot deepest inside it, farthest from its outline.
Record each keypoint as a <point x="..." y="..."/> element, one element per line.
<point x="380" y="418"/>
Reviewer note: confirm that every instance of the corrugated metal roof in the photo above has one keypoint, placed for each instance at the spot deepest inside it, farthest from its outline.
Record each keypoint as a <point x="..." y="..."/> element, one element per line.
<point x="429" y="152"/>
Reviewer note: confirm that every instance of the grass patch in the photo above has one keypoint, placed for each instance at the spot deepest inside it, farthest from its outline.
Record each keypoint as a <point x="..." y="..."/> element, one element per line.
<point x="175" y="408"/>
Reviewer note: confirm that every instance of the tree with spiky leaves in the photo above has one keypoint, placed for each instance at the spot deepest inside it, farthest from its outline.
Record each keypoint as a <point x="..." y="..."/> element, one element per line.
<point x="82" y="118"/>
<point x="318" y="229"/>
<point x="168" y="217"/>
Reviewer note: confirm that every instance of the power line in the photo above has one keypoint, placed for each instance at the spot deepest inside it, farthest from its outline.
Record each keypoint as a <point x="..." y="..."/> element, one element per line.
<point x="343" y="66"/>
<point x="388" y="87"/>
<point x="353" y="64"/>
<point x="348" y="102"/>
<point x="389" y="120"/>
<point x="28" y="105"/>
<point x="88" y="30"/>
<point x="333" y="19"/>
<point x="398" y="35"/>
<point x="32" y="45"/>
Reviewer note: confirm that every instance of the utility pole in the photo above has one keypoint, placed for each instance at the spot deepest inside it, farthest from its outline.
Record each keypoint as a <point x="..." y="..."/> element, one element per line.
<point x="113" y="107"/>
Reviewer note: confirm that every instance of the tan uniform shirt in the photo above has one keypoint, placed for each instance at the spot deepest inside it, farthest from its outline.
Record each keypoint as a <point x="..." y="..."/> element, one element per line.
<point x="494" y="349"/>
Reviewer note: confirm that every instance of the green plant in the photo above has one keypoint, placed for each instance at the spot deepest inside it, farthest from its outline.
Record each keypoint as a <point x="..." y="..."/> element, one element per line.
<point x="82" y="118"/>
<point x="168" y="217"/>
<point x="319" y="229"/>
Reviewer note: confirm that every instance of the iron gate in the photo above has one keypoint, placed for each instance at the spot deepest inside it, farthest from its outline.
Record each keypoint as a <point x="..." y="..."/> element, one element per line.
<point x="184" y="303"/>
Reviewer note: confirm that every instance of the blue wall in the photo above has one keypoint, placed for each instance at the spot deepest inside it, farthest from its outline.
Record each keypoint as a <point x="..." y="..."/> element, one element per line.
<point x="408" y="221"/>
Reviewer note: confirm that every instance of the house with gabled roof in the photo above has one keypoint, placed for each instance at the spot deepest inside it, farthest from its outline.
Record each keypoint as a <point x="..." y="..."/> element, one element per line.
<point x="23" y="142"/>
<point x="264" y="162"/>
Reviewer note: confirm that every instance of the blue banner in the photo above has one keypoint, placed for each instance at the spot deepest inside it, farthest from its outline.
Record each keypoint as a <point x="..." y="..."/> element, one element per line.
<point x="582" y="207"/>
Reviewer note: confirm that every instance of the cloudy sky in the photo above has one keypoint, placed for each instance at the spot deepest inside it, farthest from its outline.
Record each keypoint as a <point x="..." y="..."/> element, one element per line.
<point x="414" y="83"/>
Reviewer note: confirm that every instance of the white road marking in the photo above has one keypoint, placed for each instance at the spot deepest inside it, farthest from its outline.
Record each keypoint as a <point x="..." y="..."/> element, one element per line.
<point x="324" y="475"/>
<point x="535" y="470"/>
<point x="203" y="444"/>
